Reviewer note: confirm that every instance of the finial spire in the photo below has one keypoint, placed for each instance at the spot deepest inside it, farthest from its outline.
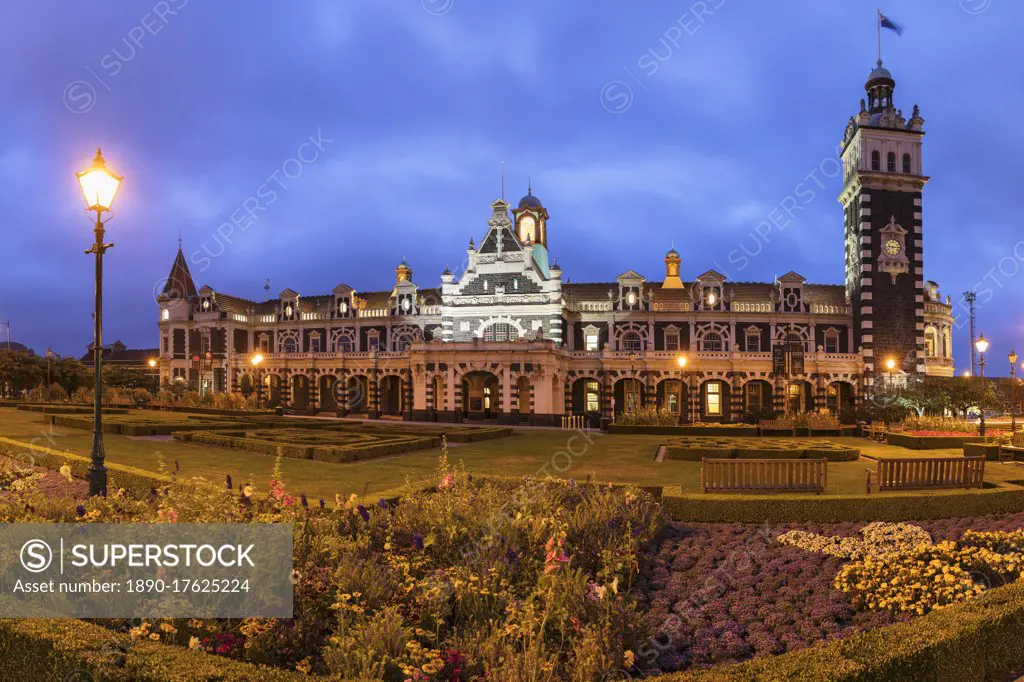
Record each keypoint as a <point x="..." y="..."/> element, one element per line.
<point x="503" y="181"/>
<point x="529" y="185"/>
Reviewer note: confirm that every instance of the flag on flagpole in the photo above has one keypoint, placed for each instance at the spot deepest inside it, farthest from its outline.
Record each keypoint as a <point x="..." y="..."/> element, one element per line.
<point x="886" y="22"/>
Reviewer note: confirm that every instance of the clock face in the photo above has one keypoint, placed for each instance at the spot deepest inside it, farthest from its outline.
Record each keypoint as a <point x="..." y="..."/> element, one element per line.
<point x="528" y="229"/>
<point x="892" y="247"/>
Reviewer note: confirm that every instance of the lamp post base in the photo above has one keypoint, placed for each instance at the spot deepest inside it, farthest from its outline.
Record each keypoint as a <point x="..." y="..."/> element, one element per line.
<point x="97" y="473"/>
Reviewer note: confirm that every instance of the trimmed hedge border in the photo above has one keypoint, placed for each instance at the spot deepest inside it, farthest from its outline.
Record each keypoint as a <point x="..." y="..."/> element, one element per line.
<point x="135" y="428"/>
<point x="718" y="430"/>
<point x="974" y="640"/>
<point x="694" y="449"/>
<point x="68" y="409"/>
<point x="138" y="483"/>
<point x="53" y="649"/>
<point x="905" y="440"/>
<point x="322" y="453"/>
<point x="987" y="450"/>
<point x="789" y="508"/>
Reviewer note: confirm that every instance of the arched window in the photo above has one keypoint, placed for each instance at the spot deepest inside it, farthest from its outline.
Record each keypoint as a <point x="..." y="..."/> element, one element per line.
<point x="500" y="331"/>
<point x="931" y="342"/>
<point x="631" y="342"/>
<point x="345" y="344"/>
<point x="906" y="163"/>
<point x="891" y="162"/>
<point x="876" y="160"/>
<point x="712" y="342"/>
<point x="289" y="346"/>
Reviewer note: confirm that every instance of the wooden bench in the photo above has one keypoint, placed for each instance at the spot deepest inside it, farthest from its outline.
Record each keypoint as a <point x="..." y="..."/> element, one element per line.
<point x="1008" y="452"/>
<point x="874" y="430"/>
<point x="826" y="424"/>
<point x="769" y="425"/>
<point x="927" y="473"/>
<point x="763" y="475"/>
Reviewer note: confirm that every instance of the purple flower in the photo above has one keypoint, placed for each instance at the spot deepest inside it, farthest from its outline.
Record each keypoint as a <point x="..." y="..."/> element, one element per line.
<point x="322" y="503"/>
<point x="228" y="481"/>
<point x="80" y="510"/>
<point x="382" y="503"/>
<point x="303" y="500"/>
<point x="363" y="513"/>
<point x="417" y="541"/>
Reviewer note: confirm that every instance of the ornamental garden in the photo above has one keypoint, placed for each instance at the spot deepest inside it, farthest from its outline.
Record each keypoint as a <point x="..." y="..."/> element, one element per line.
<point x="772" y="550"/>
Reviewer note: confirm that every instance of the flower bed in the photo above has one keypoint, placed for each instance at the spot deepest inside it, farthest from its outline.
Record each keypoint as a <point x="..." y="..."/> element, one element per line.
<point x="695" y="449"/>
<point x="473" y="578"/>
<point x="324" y="445"/>
<point x="729" y="592"/>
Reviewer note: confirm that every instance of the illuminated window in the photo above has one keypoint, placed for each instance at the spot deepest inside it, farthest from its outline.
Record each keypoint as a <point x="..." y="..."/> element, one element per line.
<point x="592" y="394"/>
<point x="713" y="400"/>
<point x="592" y="341"/>
<point x="931" y="342"/>
<point x="165" y="314"/>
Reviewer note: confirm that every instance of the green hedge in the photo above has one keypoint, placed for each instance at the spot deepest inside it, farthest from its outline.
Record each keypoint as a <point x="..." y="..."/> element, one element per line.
<point x="906" y="440"/>
<point x="323" y="453"/>
<point x="792" y="508"/>
<point x="987" y="450"/>
<point x="134" y="426"/>
<point x="973" y="641"/>
<point x="137" y="482"/>
<point x="47" y="408"/>
<point x="695" y="449"/>
<point x="741" y="430"/>
<point x="53" y="649"/>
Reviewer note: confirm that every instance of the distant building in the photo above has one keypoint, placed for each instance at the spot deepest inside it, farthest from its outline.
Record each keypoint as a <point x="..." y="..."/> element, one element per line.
<point x="119" y="355"/>
<point x="13" y="345"/>
<point x="509" y="339"/>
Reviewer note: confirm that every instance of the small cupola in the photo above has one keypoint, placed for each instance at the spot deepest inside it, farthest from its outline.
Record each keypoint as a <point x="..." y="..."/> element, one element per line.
<point x="403" y="273"/>
<point x="672" y="264"/>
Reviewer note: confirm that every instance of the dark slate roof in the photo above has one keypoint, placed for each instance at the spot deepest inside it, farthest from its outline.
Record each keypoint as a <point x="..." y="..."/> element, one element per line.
<point x="509" y="242"/>
<point x="179" y="282"/>
<point x="14" y="345"/>
<point x="530" y="201"/>
<point x="127" y="356"/>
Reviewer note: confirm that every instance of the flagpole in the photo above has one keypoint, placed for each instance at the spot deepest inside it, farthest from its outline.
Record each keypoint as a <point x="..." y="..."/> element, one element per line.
<point x="878" y="22"/>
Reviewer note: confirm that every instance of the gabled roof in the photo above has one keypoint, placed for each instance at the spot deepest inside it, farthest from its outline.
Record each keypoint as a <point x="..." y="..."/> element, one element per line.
<point x="712" y="274"/>
<point x="288" y="293"/>
<point x="792" y="277"/>
<point x="630" y="274"/>
<point x="180" y="286"/>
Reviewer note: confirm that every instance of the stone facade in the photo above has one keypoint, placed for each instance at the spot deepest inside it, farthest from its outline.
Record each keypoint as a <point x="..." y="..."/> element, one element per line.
<point x="507" y="339"/>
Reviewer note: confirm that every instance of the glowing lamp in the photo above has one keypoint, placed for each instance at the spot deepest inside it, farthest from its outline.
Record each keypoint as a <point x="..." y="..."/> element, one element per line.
<point x="981" y="344"/>
<point x="99" y="185"/>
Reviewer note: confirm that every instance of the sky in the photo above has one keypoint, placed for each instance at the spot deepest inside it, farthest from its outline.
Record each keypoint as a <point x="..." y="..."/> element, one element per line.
<point x="322" y="141"/>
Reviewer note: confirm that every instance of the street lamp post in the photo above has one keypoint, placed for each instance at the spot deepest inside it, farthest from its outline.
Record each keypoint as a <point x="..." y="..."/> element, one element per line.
<point x="681" y="361"/>
<point x="99" y="186"/>
<point x="256" y="361"/>
<point x="890" y="365"/>
<point x="982" y="345"/>
<point x="1013" y="391"/>
<point x="156" y="374"/>
<point x="375" y="413"/>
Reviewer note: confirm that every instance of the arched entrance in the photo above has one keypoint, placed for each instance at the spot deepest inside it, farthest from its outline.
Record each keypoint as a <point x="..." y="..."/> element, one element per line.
<point x="391" y="395"/>
<point x="300" y="392"/>
<point x="480" y="399"/>
<point x="758" y="397"/>
<point x="628" y="395"/>
<point x="799" y="397"/>
<point x="673" y="396"/>
<point x="714" y="400"/>
<point x="357" y="393"/>
<point x="839" y="397"/>
<point x="586" y="397"/>
<point x="272" y="390"/>
<point x="246" y="385"/>
<point x="525" y="389"/>
<point x="326" y="385"/>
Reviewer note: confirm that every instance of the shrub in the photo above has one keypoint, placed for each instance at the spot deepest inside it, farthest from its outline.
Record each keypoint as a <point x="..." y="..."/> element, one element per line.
<point x="647" y="416"/>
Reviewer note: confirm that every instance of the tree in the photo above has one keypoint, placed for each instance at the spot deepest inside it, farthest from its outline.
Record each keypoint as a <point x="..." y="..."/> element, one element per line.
<point x="923" y="395"/>
<point x="20" y="370"/>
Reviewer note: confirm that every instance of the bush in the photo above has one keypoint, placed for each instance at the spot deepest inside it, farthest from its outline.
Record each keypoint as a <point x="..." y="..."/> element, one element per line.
<point x="647" y="416"/>
<point x="695" y="449"/>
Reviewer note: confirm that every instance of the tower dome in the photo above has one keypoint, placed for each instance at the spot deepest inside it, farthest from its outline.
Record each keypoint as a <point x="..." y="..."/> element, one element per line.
<point x="530" y="201"/>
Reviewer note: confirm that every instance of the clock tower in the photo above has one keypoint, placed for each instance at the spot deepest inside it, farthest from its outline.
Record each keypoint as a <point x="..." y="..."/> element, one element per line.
<point x="883" y="181"/>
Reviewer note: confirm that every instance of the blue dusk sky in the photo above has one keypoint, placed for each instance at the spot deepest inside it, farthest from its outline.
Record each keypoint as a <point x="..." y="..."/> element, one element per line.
<point x="359" y="132"/>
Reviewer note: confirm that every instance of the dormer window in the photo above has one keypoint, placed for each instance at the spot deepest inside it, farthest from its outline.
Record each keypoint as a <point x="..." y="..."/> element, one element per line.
<point x="631" y="299"/>
<point x="288" y="310"/>
<point x="406" y="305"/>
<point x="712" y="299"/>
<point x="206" y="305"/>
<point x="343" y="307"/>
<point x="165" y="314"/>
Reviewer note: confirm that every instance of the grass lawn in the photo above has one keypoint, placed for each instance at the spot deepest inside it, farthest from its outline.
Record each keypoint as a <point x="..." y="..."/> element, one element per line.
<point x="603" y="457"/>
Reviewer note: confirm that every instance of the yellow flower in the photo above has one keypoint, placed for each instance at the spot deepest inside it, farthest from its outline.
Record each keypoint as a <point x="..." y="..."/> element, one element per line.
<point x="193" y="642"/>
<point x="628" y="659"/>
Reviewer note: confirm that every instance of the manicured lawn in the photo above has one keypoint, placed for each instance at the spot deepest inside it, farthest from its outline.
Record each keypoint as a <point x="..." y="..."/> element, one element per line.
<point x="603" y="457"/>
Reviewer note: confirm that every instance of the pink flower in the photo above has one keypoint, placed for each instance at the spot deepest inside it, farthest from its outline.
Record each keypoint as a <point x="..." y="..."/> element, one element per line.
<point x="288" y="500"/>
<point x="168" y="515"/>
<point x="447" y="482"/>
